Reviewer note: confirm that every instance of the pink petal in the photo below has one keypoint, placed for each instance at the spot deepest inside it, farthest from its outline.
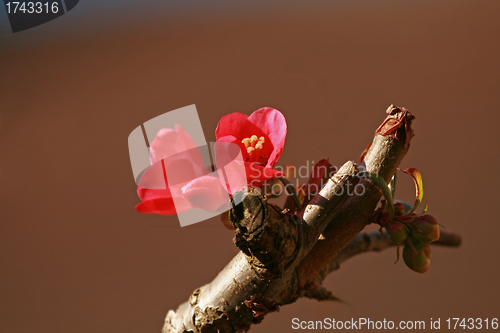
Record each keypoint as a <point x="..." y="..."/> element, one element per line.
<point x="232" y="139"/>
<point x="179" y="171"/>
<point x="230" y="166"/>
<point x="169" y="142"/>
<point x="161" y="146"/>
<point x="273" y="124"/>
<point x="206" y="193"/>
<point x="154" y="177"/>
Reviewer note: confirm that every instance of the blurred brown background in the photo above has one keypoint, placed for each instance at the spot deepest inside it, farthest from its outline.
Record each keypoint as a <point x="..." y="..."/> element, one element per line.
<point x="76" y="257"/>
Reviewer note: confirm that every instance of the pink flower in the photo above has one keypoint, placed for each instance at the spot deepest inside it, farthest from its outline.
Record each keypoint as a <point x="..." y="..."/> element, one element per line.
<point x="261" y="137"/>
<point x="174" y="153"/>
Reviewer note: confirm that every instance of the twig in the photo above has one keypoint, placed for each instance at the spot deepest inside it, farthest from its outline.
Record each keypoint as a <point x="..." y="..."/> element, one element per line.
<point x="376" y="242"/>
<point x="390" y="145"/>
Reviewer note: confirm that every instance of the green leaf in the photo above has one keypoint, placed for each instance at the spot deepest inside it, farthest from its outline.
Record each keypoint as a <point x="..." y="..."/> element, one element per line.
<point x="382" y="185"/>
<point x="425" y="208"/>
<point x="419" y="187"/>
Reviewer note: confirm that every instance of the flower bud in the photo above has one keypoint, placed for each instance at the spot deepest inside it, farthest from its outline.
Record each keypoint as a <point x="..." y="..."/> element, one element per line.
<point x="406" y="205"/>
<point x="397" y="232"/>
<point x="420" y="261"/>
<point x="399" y="209"/>
<point x="383" y="218"/>
<point x="424" y="229"/>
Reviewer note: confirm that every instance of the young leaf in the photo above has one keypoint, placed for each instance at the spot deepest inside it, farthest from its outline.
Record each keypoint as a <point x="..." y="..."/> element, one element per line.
<point x="392" y="185"/>
<point x="381" y="184"/>
<point x="419" y="187"/>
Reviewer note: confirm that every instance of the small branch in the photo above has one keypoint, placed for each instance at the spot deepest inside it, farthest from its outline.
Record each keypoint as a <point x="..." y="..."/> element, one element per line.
<point x="448" y="239"/>
<point x="375" y="242"/>
<point x="321" y="294"/>
<point x="390" y="145"/>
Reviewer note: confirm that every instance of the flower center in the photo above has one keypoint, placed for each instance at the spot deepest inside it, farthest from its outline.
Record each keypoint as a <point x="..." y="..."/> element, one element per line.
<point x="254" y="145"/>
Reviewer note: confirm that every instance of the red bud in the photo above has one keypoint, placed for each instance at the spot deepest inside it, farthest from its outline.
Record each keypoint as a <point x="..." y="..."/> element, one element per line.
<point x="397" y="232"/>
<point x="424" y="229"/>
<point x="420" y="261"/>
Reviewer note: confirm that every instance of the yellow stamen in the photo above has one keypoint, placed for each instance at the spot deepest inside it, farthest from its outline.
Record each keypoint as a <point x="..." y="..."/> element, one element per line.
<point x="252" y="144"/>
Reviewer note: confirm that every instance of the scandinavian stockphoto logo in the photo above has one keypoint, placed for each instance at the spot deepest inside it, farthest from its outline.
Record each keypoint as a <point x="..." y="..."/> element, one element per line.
<point x="170" y="153"/>
<point x="28" y="14"/>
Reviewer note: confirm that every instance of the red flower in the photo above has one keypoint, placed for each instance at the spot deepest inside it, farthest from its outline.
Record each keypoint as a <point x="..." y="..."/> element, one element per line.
<point x="174" y="153"/>
<point x="261" y="137"/>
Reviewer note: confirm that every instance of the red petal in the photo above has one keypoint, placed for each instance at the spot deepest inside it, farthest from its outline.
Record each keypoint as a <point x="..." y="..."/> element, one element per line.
<point x="273" y="124"/>
<point x="161" y="206"/>
<point x="160" y="202"/>
<point x="148" y="194"/>
<point x="228" y="138"/>
<point x="257" y="174"/>
<point x="235" y="127"/>
<point x="232" y="124"/>
<point x="319" y="176"/>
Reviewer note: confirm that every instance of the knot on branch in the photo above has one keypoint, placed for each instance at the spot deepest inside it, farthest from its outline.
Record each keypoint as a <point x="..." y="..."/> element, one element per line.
<point x="264" y="232"/>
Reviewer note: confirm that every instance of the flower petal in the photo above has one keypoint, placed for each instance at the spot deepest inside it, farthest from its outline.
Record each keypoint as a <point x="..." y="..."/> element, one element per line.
<point x="161" y="206"/>
<point x="257" y="174"/>
<point x="154" y="177"/>
<point x="320" y="174"/>
<point x="232" y="124"/>
<point x="273" y="124"/>
<point x="148" y="194"/>
<point x="228" y="138"/>
<point x="206" y="193"/>
<point x="169" y="142"/>
<point x="235" y="127"/>
<point x="161" y="202"/>
<point x="230" y="166"/>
